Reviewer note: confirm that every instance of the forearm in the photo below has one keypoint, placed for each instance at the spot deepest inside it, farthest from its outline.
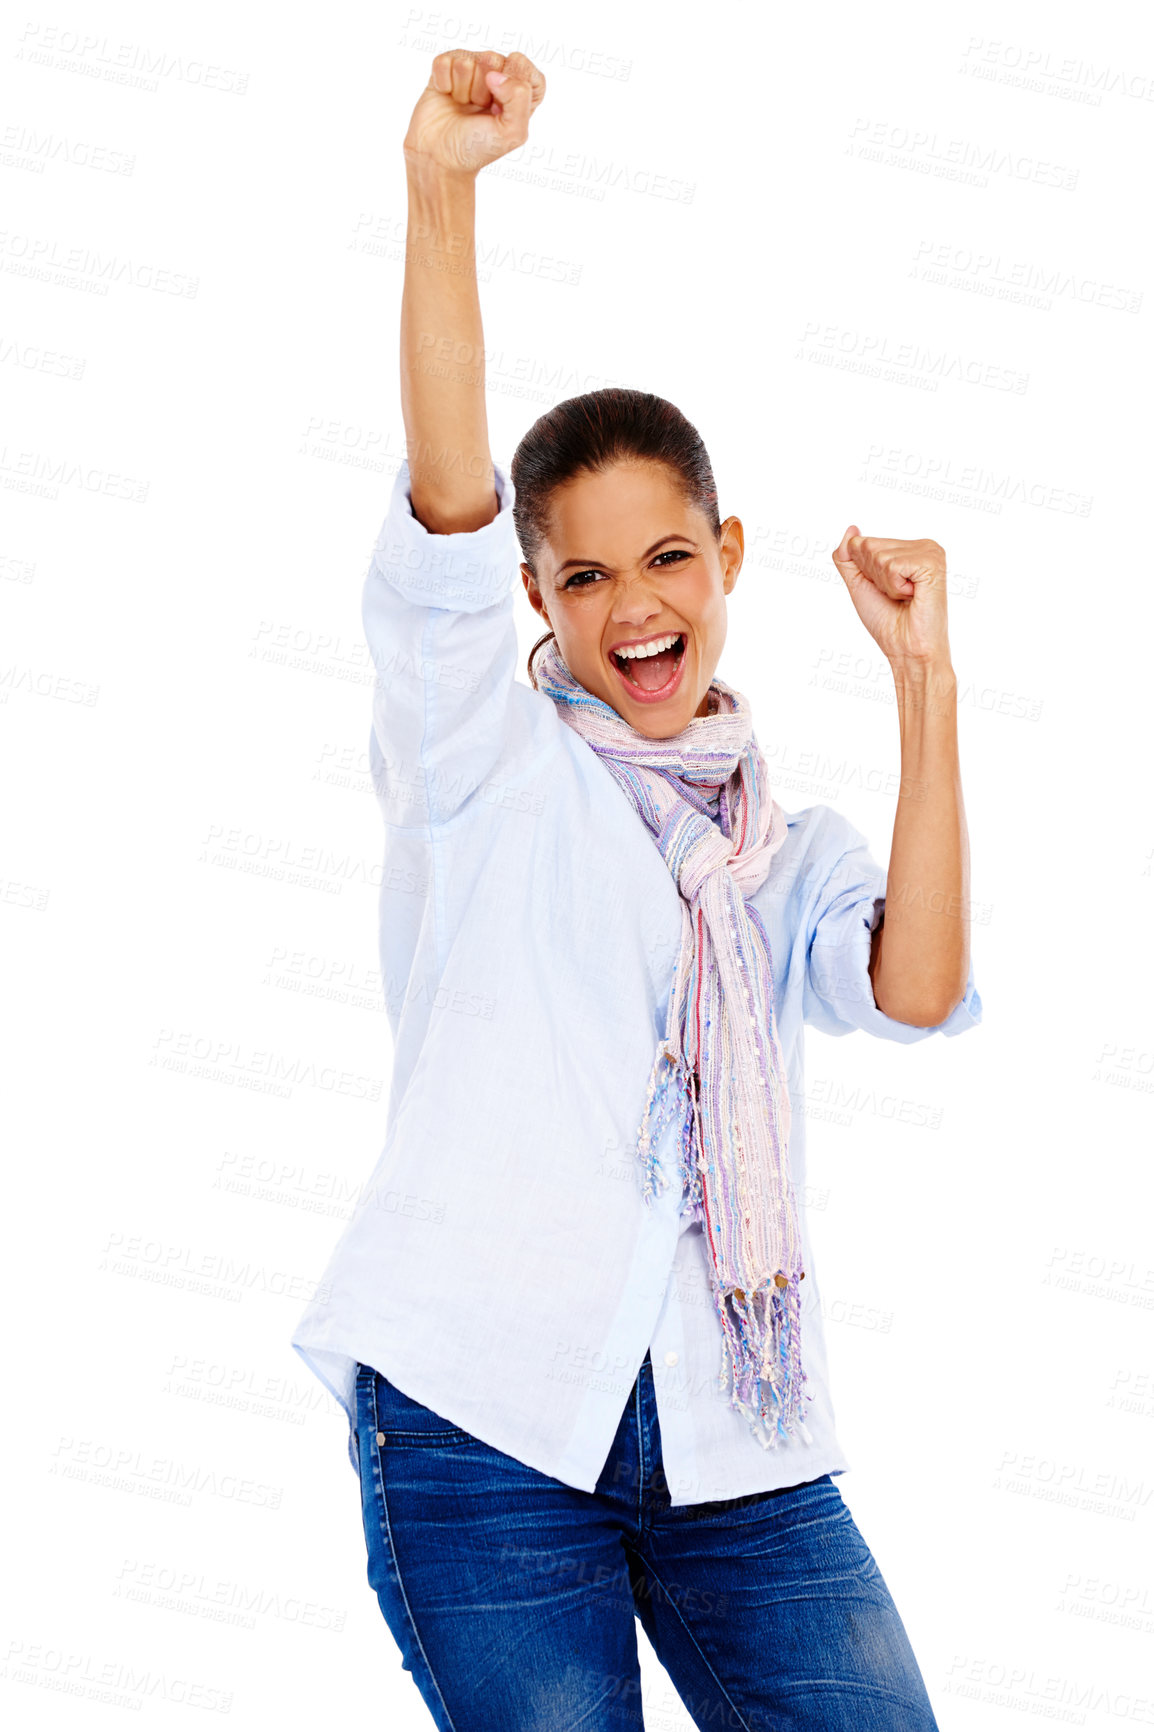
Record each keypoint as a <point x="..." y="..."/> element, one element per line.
<point x="922" y="953"/>
<point x="442" y="361"/>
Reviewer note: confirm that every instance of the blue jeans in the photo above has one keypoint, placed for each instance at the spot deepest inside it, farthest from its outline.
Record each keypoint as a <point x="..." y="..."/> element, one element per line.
<point x="512" y="1596"/>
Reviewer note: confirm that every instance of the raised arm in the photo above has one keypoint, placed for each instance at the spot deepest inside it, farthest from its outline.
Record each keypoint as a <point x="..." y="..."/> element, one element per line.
<point x="475" y="108"/>
<point x="920" y="962"/>
<point x="438" y="598"/>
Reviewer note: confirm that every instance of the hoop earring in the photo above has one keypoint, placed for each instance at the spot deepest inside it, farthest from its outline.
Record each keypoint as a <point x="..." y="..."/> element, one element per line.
<point x="533" y="652"/>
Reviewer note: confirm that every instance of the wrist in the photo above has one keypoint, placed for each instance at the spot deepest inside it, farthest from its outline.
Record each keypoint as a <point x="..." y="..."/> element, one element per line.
<point x="429" y="176"/>
<point x="442" y="212"/>
<point x="934" y="672"/>
<point x="926" y="692"/>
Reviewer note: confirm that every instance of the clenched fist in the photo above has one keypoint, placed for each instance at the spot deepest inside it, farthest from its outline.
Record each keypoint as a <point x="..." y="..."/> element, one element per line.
<point x="474" y="109"/>
<point x="899" y="591"/>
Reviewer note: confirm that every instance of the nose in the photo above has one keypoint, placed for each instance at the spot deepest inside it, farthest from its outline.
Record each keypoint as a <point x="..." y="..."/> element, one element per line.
<point x="637" y="604"/>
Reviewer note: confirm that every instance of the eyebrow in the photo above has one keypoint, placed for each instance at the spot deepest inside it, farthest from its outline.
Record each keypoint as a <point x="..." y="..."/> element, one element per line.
<point x="601" y="565"/>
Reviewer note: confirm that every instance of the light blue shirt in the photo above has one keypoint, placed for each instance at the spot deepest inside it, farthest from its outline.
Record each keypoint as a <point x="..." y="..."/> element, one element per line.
<point x="502" y="1266"/>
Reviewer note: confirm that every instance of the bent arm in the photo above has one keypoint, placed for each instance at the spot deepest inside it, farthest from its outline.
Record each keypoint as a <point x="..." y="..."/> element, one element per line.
<point x="921" y="952"/>
<point x="844" y="914"/>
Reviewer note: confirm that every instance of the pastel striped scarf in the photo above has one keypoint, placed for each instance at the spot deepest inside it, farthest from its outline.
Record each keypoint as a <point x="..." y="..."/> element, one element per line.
<point x="719" y="1065"/>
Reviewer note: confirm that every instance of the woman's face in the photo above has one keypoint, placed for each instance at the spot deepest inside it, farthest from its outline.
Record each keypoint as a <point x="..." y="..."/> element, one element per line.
<point x="627" y="562"/>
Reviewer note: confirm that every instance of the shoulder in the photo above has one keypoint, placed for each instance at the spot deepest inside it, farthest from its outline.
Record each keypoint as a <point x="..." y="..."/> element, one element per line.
<point x="818" y="839"/>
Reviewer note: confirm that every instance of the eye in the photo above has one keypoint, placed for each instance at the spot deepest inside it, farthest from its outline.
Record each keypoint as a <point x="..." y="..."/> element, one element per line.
<point x="576" y="579"/>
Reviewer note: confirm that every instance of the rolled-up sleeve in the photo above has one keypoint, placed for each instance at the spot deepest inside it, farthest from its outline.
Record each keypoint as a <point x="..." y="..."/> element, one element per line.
<point x="839" y="994"/>
<point x="438" y="618"/>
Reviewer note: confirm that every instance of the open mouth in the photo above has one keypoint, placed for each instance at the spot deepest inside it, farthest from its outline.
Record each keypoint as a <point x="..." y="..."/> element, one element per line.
<point x="651" y="675"/>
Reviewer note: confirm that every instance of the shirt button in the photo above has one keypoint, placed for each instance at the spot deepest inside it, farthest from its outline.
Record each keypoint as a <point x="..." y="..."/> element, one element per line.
<point x="380" y="1437"/>
<point x="671" y="1359"/>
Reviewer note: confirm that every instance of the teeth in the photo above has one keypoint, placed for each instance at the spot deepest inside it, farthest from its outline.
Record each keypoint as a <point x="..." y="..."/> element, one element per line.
<point x="649" y="649"/>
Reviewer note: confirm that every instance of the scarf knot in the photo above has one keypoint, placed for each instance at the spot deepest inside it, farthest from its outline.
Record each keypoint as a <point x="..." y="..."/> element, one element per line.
<point x="704" y="796"/>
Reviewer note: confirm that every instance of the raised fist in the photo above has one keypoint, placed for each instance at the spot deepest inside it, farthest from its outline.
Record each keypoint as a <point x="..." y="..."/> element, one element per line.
<point x="466" y="116"/>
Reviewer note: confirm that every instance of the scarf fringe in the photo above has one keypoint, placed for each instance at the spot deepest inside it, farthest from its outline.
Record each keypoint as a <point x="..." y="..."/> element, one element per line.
<point x="664" y="1096"/>
<point x="671" y="1088"/>
<point x="761" y="1331"/>
<point x="761" y="1353"/>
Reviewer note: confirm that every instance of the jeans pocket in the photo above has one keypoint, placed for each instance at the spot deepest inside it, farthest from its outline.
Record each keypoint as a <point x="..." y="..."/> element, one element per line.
<point x="398" y="1419"/>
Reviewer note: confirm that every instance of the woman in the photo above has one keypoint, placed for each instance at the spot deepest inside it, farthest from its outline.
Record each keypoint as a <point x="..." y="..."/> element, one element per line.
<point x="573" y="1322"/>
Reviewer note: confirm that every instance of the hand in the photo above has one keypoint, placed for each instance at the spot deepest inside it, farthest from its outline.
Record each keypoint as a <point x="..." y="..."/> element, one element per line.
<point x="466" y="117"/>
<point x="899" y="591"/>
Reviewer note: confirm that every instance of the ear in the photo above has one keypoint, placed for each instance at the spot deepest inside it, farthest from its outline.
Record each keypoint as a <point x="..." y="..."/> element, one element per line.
<point x="533" y="591"/>
<point x="731" y="546"/>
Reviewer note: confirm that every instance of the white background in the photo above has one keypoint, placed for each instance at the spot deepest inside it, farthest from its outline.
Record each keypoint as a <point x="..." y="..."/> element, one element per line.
<point x="836" y="241"/>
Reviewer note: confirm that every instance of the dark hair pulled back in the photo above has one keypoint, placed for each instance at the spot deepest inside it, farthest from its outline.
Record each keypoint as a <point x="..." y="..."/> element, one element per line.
<point x="586" y="435"/>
